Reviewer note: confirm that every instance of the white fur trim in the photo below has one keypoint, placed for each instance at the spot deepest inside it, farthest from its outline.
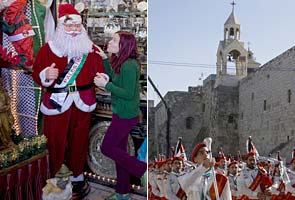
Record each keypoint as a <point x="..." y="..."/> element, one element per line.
<point x="54" y="49"/>
<point x="75" y="97"/>
<point x="43" y="78"/>
<point x="75" y="19"/>
<point x="82" y="106"/>
<point x="77" y="178"/>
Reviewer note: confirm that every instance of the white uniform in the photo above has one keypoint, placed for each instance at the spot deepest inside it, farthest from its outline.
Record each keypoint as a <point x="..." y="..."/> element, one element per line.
<point x="290" y="187"/>
<point x="153" y="183"/>
<point x="244" y="181"/>
<point x="197" y="183"/>
<point x="233" y="184"/>
<point x="276" y="188"/>
<point x="161" y="181"/>
<point x="171" y="187"/>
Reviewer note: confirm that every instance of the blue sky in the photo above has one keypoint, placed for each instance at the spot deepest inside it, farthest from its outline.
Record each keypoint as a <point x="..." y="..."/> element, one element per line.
<point x="188" y="31"/>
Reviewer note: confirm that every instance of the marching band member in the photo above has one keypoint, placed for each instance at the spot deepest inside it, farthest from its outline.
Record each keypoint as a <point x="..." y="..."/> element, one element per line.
<point x="253" y="182"/>
<point x="198" y="183"/>
<point x="280" y="178"/>
<point x="290" y="187"/>
<point x="232" y="178"/>
<point x="221" y="168"/>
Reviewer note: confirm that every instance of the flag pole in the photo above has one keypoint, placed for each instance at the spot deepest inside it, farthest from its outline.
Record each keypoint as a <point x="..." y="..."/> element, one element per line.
<point x="208" y="142"/>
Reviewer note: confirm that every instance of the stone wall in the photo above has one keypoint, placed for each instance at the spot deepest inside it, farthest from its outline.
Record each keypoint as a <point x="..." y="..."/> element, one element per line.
<point x="267" y="106"/>
<point x="185" y="107"/>
<point x="151" y="131"/>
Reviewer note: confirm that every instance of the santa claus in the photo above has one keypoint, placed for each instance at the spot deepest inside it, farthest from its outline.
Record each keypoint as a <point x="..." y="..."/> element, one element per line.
<point x="65" y="67"/>
<point x="20" y="33"/>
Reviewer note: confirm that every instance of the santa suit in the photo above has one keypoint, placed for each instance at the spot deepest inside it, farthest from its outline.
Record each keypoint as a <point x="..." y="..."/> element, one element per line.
<point x="246" y="180"/>
<point x="198" y="184"/>
<point x="290" y="187"/>
<point x="67" y="129"/>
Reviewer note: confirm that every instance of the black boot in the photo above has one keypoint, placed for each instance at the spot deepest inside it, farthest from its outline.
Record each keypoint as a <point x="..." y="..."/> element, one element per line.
<point x="80" y="189"/>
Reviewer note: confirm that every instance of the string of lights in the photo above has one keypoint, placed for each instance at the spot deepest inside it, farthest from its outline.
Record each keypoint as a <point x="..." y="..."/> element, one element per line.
<point x="111" y="181"/>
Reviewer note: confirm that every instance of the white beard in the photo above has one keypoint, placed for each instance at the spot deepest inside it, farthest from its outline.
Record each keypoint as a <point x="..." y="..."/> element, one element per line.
<point x="69" y="46"/>
<point x="5" y="3"/>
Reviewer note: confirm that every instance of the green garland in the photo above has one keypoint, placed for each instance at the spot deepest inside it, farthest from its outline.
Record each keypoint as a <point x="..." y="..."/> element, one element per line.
<point x="27" y="148"/>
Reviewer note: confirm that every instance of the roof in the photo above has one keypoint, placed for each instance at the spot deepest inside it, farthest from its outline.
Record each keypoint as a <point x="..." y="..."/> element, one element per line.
<point x="231" y="19"/>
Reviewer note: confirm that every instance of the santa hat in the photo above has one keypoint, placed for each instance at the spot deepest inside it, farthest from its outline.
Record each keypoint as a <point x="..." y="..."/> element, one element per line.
<point x="293" y="157"/>
<point x="67" y="14"/>
<point x="197" y="149"/>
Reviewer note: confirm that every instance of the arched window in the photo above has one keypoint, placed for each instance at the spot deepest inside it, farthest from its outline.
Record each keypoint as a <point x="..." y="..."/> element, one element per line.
<point x="189" y="122"/>
<point x="231" y="32"/>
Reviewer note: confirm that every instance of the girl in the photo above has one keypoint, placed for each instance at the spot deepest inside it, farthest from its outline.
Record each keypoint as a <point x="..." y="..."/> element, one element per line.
<point x="123" y="69"/>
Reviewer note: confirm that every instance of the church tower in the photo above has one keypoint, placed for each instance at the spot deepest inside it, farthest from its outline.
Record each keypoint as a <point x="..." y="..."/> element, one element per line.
<point x="232" y="50"/>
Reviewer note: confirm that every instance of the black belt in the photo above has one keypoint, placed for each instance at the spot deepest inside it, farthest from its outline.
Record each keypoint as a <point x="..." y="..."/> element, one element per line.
<point x="69" y="88"/>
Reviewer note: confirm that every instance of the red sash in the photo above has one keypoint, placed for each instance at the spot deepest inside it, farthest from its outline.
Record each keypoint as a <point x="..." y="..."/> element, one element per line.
<point x="289" y="196"/>
<point x="281" y="187"/>
<point x="261" y="179"/>
<point x="181" y="194"/>
<point x="278" y="197"/>
<point x="154" y="197"/>
<point x="256" y="182"/>
<point x="221" y="181"/>
<point x="244" y="197"/>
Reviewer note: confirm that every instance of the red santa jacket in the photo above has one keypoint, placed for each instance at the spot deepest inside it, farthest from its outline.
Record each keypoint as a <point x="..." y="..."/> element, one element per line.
<point x="85" y="100"/>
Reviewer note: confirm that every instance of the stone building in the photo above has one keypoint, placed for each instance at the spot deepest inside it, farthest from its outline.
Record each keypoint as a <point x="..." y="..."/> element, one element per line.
<point x="152" y="140"/>
<point x="185" y="120"/>
<point x="256" y="101"/>
<point x="267" y="106"/>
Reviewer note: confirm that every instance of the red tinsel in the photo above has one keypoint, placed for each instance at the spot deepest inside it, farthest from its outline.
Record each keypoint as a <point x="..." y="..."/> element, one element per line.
<point x="14" y="60"/>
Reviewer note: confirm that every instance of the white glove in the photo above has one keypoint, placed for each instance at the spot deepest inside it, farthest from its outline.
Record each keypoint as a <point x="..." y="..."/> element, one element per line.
<point x="101" y="80"/>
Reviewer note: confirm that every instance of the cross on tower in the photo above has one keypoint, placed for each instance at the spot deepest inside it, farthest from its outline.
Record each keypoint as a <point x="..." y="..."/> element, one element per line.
<point x="233" y="4"/>
<point x="248" y="45"/>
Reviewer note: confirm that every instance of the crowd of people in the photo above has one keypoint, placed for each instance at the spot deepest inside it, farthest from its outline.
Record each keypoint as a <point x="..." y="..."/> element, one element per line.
<point x="253" y="177"/>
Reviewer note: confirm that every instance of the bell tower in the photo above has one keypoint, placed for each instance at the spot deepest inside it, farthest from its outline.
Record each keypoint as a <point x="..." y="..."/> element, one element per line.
<point x="232" y="51"/>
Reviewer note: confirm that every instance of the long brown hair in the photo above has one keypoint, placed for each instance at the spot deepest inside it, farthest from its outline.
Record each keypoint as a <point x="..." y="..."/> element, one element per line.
<point x="127" y="49"/>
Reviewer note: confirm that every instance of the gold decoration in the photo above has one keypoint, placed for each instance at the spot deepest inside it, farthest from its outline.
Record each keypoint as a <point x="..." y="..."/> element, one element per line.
<point x="27" y="148"/>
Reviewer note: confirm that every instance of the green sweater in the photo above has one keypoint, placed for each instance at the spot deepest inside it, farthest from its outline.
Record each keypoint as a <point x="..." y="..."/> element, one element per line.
<point x="124" y="88"/>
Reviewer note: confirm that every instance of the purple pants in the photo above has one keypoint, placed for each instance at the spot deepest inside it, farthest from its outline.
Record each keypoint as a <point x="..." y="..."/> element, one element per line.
<point x="114" y="145"/>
